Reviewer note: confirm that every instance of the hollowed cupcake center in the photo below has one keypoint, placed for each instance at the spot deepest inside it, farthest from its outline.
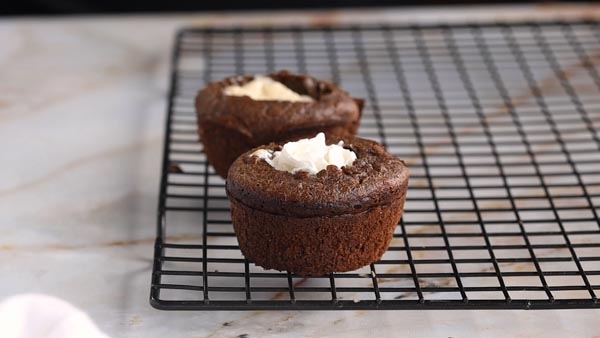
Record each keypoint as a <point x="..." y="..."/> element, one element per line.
<point x="311" y="155"/>
<point x="264" y="88"/>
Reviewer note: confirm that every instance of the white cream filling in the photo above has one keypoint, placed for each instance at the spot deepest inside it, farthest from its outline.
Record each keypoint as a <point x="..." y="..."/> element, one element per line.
<point x="263" y="88"/>
<point x="310" y="154"/>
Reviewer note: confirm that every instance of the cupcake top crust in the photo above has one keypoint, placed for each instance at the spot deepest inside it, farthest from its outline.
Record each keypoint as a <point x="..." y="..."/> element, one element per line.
<point x="321" y="105"/>
<point x="373" y="178"/>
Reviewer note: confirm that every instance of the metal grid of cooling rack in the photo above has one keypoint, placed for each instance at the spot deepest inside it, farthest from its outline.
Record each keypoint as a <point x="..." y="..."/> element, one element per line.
<point x="500" y="127"/>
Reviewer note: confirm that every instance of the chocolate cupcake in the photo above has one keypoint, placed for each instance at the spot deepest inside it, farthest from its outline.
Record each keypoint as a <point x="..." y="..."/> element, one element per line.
<point x="314" y="209"/>
<point x="244" y="112"/>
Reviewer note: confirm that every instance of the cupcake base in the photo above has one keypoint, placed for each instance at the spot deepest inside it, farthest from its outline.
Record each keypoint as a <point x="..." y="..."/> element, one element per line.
<point x="315" y="245"/>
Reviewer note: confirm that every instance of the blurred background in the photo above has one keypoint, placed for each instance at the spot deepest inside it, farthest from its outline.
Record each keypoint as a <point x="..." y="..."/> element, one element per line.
<point x="62" y="7"/>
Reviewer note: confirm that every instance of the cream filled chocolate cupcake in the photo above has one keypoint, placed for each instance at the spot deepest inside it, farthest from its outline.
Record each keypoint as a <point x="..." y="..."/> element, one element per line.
<point x="244" y="112"/>
<point x="314" y="208"/>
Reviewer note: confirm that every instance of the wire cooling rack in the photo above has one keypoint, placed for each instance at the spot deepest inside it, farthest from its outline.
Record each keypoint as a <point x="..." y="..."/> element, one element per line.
<point x="498" y="123"/>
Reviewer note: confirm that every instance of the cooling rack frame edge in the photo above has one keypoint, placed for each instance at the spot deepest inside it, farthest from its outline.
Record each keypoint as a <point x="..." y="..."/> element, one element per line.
<point x="250" y="305"/>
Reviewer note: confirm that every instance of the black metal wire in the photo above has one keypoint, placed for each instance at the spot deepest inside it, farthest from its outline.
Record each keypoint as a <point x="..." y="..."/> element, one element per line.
<point x="468" y="85"/>
<point x="269" y="56"/>
<point x="523" y="64"/>
<point x="207" y="78"/>
<point x="363" y="63"/>
<point x="498" y="123"/>
<point x="332" y="56"/>
<point x="564" y="82"/>
<point x="510" y="106"/>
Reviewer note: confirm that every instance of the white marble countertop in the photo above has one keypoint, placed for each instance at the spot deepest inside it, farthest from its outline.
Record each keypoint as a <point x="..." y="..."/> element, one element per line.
<point x="82" y="104"/>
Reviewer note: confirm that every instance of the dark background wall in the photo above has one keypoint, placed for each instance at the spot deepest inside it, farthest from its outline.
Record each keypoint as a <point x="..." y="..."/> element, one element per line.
<point x="57" y="7"/>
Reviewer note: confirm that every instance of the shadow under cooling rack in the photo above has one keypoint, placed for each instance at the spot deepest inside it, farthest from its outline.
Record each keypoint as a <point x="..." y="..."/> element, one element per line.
<point x="498" y="123"/>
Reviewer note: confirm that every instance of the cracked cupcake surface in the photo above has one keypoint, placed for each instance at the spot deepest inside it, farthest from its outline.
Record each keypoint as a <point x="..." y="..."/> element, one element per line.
<point x="235" y="115"/>
<point x="338" y="219"/>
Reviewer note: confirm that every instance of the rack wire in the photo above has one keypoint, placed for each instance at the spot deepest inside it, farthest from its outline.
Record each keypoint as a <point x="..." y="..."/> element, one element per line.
<point x="499" y="124"/>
